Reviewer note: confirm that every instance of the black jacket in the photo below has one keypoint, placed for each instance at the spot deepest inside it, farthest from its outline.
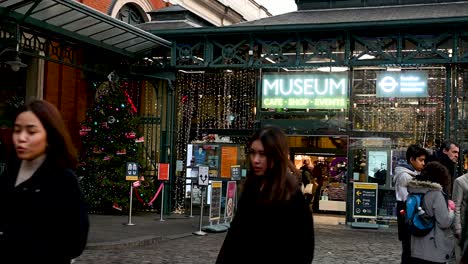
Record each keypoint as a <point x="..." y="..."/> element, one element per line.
<point x="449" y="164"/>
<point x="269" y="231"/>
<point x="40" y="218"/>
<point x="444" y="159"/>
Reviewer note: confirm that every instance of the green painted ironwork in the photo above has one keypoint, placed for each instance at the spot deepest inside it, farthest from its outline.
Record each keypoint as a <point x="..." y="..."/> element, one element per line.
<point x="315" y="49"/>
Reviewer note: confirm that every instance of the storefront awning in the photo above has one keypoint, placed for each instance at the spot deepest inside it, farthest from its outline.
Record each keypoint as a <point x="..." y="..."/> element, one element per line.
<point x="75" y="20"/>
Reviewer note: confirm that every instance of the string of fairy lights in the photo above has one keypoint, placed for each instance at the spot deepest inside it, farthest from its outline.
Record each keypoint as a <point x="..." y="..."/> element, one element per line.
<point x="421" y="119"/>
<point x="206" y="101"/>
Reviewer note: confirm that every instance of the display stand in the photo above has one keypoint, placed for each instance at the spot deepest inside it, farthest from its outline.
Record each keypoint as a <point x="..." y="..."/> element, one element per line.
<point x="200" y="232"/>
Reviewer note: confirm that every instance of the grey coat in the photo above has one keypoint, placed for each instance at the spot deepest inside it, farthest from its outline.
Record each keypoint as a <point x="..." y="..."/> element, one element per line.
<point x="438" y="245"/>
<point x="460" y="198"/>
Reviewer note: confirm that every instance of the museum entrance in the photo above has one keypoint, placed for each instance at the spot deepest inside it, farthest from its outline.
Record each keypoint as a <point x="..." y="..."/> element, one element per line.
<point x="326" y="159"/>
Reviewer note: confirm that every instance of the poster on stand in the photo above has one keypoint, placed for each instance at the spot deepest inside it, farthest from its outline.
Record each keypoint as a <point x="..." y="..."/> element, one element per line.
<point x="230" y="200"/>
<point x="215" y="200"/>
<point x="228" y="159"/>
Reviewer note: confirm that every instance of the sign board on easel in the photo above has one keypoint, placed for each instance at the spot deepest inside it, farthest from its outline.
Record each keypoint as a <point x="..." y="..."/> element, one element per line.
<point x="230" y="200"/>
<point x="365" y="200"/>
<point x="215" y="203"/>
<point x="365" y="204"/>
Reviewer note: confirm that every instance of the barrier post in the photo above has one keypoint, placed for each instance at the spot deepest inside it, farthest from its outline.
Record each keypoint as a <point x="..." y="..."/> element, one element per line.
<point x="130" y="211"/>
<point x="162" y="202"/>
<point x="191" y="199"/>
<point x="200" y="232"/>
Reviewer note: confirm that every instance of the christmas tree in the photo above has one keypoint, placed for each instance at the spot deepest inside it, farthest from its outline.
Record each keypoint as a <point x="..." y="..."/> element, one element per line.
<point x="109" y="140"/>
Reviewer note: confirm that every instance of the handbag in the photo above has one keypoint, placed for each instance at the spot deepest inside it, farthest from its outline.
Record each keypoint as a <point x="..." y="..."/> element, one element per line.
<point x="309" y="188"/>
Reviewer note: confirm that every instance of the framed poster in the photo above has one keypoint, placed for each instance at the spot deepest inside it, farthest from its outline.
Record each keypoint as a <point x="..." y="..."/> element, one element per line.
<point x="228" y="159"/>
<point x="377" y="166"/>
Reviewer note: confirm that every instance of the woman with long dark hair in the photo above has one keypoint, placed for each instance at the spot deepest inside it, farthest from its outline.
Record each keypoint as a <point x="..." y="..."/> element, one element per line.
<point x="273" y="224"/>
<point x="43" y="218"/>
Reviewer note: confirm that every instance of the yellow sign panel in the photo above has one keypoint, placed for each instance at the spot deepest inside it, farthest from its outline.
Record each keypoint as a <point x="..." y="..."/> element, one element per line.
<point x="216" y="185"/>
<point x="370" y="186"/>
<point x="131" y="178"/>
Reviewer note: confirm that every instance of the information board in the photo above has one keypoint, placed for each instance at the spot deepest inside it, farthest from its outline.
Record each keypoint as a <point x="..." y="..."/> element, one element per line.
<point x="215" y="201"/>
<point x="365" y="200"/>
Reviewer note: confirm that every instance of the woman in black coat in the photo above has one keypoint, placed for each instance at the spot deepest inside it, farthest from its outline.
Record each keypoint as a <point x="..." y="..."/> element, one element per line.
<point x="42" y="218"/>
<point x="273" y="224"/>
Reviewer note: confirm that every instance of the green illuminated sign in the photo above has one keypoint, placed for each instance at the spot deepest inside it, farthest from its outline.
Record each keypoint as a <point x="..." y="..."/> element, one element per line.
<point x="302" y="91"/>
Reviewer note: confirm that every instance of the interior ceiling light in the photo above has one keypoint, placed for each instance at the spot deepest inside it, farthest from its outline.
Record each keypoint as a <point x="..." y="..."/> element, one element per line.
<point x="16" y="64"/>
<point x="332" y="69"/>
<point x="366" y="57"/>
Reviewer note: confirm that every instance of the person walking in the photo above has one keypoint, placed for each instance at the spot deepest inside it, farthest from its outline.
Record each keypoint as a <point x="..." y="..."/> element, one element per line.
<point x="43" y="217"/>
<point x="273" y="224"/>
<point x="460" y="198"/>
<point x="438" y="245"/>
<point x="404" y="172"/>
<point x="306" y="178"/>
<point x="318" y="177"/>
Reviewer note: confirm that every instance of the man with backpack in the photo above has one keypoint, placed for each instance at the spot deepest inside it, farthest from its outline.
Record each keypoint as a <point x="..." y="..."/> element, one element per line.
<point x="405" y="172"/>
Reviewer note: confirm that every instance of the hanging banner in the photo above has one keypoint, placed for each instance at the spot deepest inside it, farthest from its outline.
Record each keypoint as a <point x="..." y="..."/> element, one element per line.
<point x="228" y="159"/>
<point x="215" y="201"/>
<point x="230" y="199"/>
<point x="163" y="171"/>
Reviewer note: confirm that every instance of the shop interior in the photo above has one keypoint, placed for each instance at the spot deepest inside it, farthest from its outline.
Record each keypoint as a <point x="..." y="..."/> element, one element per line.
<point x="330" y="173"/>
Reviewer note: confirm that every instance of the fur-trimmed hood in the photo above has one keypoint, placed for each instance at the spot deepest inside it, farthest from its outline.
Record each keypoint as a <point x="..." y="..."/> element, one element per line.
<point x="415" y="186"/>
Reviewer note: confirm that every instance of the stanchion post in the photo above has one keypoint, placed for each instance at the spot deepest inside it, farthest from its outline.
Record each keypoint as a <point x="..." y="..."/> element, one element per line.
<point x="191" y="199"/>
<point x="162" y="202"/>
<point x="200" y="232"/>
<point x="130" y="211"/>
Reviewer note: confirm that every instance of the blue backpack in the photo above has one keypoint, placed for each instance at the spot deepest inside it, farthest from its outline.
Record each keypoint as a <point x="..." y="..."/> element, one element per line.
<point x="418" y="222"/>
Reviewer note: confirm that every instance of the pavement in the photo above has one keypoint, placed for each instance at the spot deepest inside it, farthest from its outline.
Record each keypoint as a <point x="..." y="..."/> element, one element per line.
<point x="113" y="231"/>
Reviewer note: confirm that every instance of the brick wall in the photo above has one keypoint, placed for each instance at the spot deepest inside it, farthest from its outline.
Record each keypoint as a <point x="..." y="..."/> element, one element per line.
<point x="65" y="87"/>
<point x="100" y="5"/>
<point x="104" y="5"/>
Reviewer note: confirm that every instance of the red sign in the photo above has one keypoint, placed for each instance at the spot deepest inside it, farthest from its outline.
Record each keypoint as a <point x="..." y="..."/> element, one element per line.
<point x="163" y="171"/>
